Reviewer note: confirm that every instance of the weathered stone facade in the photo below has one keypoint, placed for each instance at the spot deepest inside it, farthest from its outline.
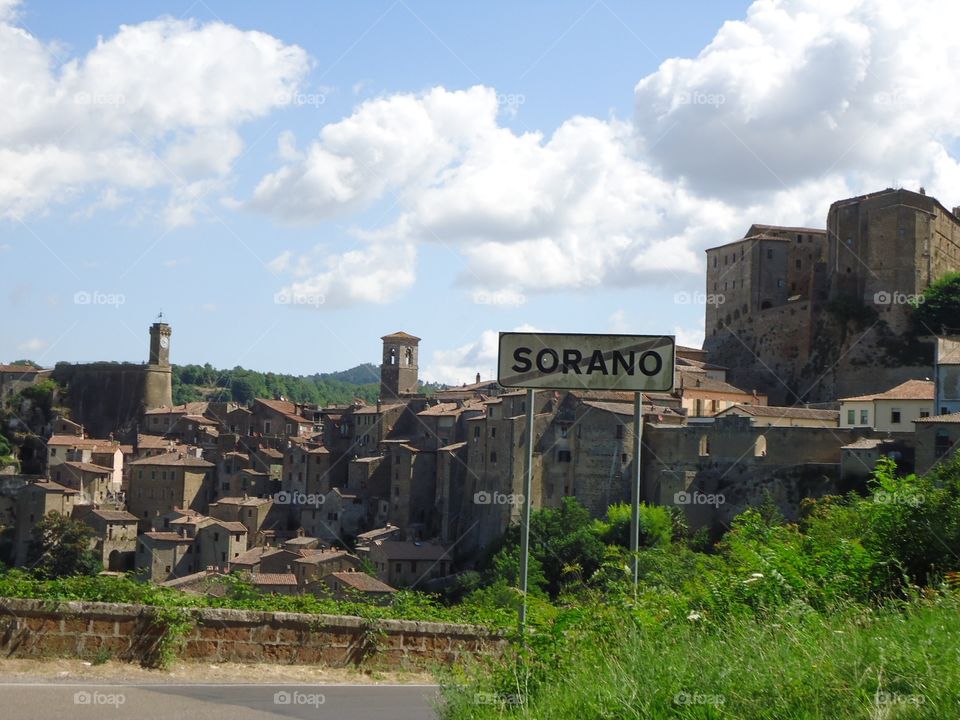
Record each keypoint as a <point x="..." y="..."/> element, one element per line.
<point x="807" y="320"/>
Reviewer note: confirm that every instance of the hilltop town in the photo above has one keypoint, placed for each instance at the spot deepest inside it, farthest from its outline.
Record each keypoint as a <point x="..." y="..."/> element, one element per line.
<point x="811" y="371"/>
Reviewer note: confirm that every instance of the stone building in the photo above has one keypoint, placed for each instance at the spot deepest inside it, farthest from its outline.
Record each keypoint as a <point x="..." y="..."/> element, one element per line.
<point x="114" y="535"/>
<point x="164" y="483"/>
<point x="891" y="411"/>
<point x="111" y="397"/>
<point x="398" y="372"/>
<point x="33" y="503"/>
<point x="408" y="564"/>
<point x="827" y="314"/>
<point x="14" y="378"/>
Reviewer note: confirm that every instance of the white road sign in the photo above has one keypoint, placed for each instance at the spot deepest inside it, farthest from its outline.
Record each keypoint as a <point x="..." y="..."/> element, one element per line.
<point x="557" y="361"/>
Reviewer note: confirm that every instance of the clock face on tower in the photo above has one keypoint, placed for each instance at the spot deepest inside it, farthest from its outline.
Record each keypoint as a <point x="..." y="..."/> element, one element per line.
<point x="164" y="343"/>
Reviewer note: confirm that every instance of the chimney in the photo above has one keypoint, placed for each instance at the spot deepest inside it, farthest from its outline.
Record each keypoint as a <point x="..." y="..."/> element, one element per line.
<point x="478" y="378"/>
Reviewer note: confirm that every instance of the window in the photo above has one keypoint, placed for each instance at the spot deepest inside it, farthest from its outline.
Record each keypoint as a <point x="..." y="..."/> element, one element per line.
<point x="799" y="263"/>
<point x="266" y="427"/>
<point x="780" y="282"/>
<point x="851" y="417"/>
<point x="714" y="260"/>
<point x="53" y="452"/>
<point x="563" y="431"/>
<point x="704" y="446"/>
<point x="760" y="447"/>
<point x="493" y="458"/>
<point x="941" y="444"/>
<point x="924" y="413"/>
<point x="799" y="238"/>
<point x="769" y="254"/>
<point x="493" y="432"/>
<point x="620" y="431"/>
<point x="397" y="567"/>
<point x="864" y="417"/>
<point x="895" y="417"/>
<point x="476" y="432"/>
<point x="563" y="456"/>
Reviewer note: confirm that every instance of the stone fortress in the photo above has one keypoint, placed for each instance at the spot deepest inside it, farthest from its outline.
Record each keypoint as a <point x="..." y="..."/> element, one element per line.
<point x="808" y="315"/>
<point x="111" y="397"/>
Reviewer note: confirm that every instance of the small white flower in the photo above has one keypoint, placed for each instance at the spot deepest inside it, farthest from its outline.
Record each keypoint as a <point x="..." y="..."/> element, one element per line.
<point x="693" y="616"/>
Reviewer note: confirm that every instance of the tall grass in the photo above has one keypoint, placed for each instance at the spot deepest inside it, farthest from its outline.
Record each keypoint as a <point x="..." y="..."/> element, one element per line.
<point x="898" y="661"/>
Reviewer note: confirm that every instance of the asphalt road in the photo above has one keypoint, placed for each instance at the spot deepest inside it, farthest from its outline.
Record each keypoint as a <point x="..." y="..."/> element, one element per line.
<point x="44" y="699"/>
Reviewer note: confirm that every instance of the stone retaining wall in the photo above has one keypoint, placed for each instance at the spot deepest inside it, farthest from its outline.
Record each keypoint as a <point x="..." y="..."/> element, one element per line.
<point x="37" y="628"/>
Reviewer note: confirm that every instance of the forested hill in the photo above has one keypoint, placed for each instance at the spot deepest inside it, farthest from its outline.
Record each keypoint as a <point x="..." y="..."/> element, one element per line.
<point x="204" y="382"/>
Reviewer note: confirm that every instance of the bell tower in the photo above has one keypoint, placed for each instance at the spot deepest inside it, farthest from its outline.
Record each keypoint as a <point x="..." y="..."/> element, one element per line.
<point x="158" y="375"/>
<point x="398" y="371"/>
<point x="160" y="334"/>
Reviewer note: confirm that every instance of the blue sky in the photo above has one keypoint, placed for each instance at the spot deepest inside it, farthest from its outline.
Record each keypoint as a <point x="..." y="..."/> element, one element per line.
<point x="288" y="182"/>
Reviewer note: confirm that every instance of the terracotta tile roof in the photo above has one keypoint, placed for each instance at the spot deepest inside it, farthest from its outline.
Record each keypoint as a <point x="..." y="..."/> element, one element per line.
<point x="377" y="532"/>
<point x="373" y="410"/>
<point x="167" y="537"/>
<point x="400" y="335"/>
<point x="322" y="556"/>
<point x="153" y="442"/>
<point x="949" y="418"/>
<point x="362" y="582"/>
<point x="910" y="390"/>
<point x="90" y="468"/>
<point x="191" y="408"/>
<point x="251" y="501"/>
<point x="232" y="526"/>
<point x="95" y="444"/>
<point x="114" y="515"/>
<point x="21" y="369"/>
<point x="173" y="459"/>
<point x="51" y="486"/>
<point x="251" y="556"/>
<point x="864" y="444"/>
<point x="409" y="550"/>
<point x="273" y="579"/>
<point x="774" y="411"/>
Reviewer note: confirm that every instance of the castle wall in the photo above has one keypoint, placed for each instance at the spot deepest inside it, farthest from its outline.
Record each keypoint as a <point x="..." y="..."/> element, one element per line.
<point x="104" y="397"/>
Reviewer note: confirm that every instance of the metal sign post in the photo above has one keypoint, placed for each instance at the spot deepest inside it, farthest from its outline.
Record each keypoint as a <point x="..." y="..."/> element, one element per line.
<point x="555" y="361"/>
<point x="635" y="489"/>
<point x="525" y="517"/>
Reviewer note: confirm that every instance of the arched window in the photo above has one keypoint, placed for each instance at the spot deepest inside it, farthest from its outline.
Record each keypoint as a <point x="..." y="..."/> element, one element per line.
<point x="408" y="356"/>
<point x="760" y="447"/>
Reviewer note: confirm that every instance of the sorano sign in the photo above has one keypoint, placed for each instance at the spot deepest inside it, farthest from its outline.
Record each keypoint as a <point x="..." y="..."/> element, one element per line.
<point x="556" y="361"/>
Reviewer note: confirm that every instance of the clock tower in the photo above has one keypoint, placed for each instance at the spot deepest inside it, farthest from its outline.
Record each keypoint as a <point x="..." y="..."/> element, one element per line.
<point x="160" y="344"/>
<point x="158" y="375"/>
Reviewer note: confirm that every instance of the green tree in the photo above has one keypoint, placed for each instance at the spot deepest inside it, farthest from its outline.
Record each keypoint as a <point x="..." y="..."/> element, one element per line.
<point x="60" y="546"/>
<point x="939" y="308"/>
